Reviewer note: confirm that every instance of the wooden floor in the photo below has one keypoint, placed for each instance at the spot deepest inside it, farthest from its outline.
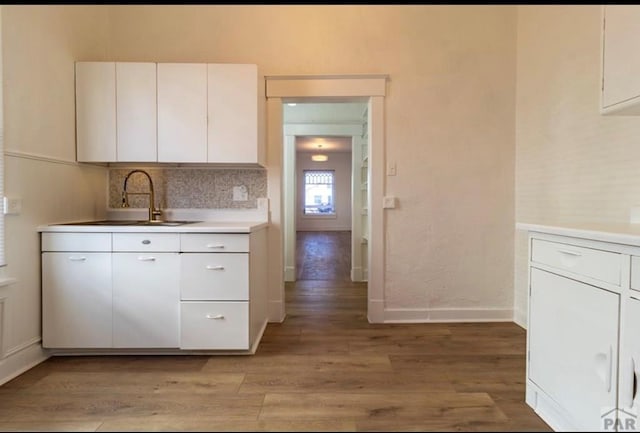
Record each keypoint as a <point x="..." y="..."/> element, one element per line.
<point x="323" y="255"/>
<point x="325" y="368"/>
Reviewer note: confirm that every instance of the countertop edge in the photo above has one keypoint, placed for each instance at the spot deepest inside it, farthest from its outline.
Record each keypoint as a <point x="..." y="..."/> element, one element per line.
<point x="197" y="227"/>
<point x="627" y="234"/>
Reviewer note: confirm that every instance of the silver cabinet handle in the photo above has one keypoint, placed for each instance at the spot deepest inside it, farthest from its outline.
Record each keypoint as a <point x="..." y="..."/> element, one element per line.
<point x="631" y="391"/>
<point x="216" y="317"/>
<point x="215" y="246"/>
<point x="215" y="268"/>
<point x="77" y="259"/>
<point x="147" y="259"/>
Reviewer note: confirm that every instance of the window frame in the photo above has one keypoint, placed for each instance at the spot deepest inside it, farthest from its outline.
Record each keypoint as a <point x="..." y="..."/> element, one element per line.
<point x="332" y="215"/>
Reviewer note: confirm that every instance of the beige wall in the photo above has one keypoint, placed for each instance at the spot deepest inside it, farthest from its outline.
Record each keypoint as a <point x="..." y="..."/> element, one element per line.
<point x="40" y="44"/>
<point x="449" y="126"/>
<point x="449" y="121"/>
<point x="572" y="163"/>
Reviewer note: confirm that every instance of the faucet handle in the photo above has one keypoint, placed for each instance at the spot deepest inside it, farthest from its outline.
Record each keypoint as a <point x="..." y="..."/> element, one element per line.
<point x="156" y="214"/>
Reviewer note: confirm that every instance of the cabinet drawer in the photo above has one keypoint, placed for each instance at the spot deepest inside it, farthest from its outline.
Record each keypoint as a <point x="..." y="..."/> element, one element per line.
<point x="146" y="242"/>
<point x="214" y="242"/>
<point x="214" y="325"/>
<point x="600" y="265"/>
<point x="76" y="242"/>
<point x="214" y="277"/>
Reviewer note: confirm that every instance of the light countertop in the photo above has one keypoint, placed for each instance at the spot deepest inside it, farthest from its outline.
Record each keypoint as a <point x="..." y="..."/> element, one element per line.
<point x="195" y="227"/>
<point x="621" y="233"/>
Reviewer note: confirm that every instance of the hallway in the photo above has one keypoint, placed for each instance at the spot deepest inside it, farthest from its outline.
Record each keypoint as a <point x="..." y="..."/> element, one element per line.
<point x="323" y="255"/>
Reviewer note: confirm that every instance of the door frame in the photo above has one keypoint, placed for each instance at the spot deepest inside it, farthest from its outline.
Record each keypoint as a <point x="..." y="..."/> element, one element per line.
<point x="333" y="88"/>
<point x="291" y="187"/>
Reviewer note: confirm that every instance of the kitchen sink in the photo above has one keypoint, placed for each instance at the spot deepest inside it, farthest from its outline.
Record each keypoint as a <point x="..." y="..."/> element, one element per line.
<point x="129" y="223"/>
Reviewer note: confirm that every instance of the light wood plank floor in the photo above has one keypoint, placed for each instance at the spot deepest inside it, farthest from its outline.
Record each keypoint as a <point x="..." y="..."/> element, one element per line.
<point x="325" y="368"/>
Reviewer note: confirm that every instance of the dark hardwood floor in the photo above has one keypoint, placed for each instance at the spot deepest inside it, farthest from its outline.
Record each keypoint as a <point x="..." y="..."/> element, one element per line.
<point x="323" y="255"/>
<point x="325" y="368"/>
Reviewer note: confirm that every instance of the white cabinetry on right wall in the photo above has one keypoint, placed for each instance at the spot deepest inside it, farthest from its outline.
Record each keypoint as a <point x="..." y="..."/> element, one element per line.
<point x="620" y="60"/>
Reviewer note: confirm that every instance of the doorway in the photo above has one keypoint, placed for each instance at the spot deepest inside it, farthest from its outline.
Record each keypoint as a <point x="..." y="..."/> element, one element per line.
<point x="369" y="89"/>
<point x="325" y="186"/>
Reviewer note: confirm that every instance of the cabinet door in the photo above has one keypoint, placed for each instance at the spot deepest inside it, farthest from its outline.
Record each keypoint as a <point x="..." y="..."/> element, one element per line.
<point x="621" y="59"/>
<point x="146" y="300"/>
<point x="573" y="334"/>
<point x="630" y="359"/>
<point x="233" y="113"/>
<point x="182" y="112"/>
<point x="136" y="112"/>
<point x="76" y="300"/>
<point x="96" y="111"/>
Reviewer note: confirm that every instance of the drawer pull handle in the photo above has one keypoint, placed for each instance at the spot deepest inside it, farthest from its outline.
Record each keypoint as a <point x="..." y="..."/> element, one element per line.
<point x="146" y="242"/>
<point x="216" y="317"/>
<point x="216" y="246"/>
<point x="147" y="259"/>
<point x="570" y="253"/>
<point x="77" y="259"/>
<point x="215" y="268"/>
<point x="633" y="383"/>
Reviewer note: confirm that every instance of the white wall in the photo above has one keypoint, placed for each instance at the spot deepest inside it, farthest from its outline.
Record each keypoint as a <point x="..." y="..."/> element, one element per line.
<point x="40" y="45"/>
<point x="450" y="116"/>
<point x="572" y="164"/>
<point x="449" y="129"/>
<point x="340" y="162"/>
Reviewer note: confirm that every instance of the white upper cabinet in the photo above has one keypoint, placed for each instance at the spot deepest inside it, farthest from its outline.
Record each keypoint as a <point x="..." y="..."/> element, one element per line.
<point x="136" y="112"/>
<point x="233" y="113"/>
<point x="168" y="112"/>
<point x="116" y="112"/>
<point x="96" y="111"/>
<point x="621" y="60"/>
<point x="182" y="112"/>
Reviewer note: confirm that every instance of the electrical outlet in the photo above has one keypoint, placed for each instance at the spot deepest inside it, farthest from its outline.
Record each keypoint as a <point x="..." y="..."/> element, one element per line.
<point x="12" y="205"/>
<point x="389" y="202"/>
<point x="240" y="193"/>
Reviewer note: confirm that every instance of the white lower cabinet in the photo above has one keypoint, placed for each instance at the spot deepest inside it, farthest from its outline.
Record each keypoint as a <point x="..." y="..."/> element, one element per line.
<point x="573" y="345"/>
<point x="222" y="306"/>
<point x="76" y="300"/>
<point x="145" y="292"/>
<point x="214" y="325"/>
<point x="582" y="339"/>
<point x="171" y="291"/>
<point x="630" y="360"/>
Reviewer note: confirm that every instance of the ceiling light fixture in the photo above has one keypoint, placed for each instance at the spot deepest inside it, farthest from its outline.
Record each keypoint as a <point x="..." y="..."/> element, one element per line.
<point x="319" y="157"/>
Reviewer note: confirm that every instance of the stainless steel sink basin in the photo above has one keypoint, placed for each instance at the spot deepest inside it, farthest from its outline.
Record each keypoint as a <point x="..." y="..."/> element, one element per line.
<point x="129" y="223"/>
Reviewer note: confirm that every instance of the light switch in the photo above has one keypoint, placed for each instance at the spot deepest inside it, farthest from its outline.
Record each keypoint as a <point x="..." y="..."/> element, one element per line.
<point x="12" y="205"/>
<point x="391" y="169"/>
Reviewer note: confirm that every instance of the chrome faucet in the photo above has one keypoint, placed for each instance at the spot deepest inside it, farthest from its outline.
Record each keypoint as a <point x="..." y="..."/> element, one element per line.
<point x="154" y="214"/>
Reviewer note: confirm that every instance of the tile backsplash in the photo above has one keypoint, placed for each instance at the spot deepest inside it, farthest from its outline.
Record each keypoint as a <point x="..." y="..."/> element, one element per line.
<point x="189" y="188"/>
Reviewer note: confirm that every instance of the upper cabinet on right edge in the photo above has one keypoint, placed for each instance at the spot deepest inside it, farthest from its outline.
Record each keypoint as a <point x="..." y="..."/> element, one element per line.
<point x="620" y="60"/>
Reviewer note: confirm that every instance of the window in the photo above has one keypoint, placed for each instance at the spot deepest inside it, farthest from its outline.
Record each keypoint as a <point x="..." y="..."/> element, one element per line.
<point x="319" y="192"/>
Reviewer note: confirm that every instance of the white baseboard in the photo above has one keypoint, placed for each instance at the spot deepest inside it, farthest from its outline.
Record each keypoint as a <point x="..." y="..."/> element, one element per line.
<point x="356" y="273"/>
<point x="276" y="312"/>
<point x="375" y="313"/>
<point x="520" y="318"/>
<point x="18" y="361"/>
<point x="289" y="273"/>
<point x="398" y="315"/>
